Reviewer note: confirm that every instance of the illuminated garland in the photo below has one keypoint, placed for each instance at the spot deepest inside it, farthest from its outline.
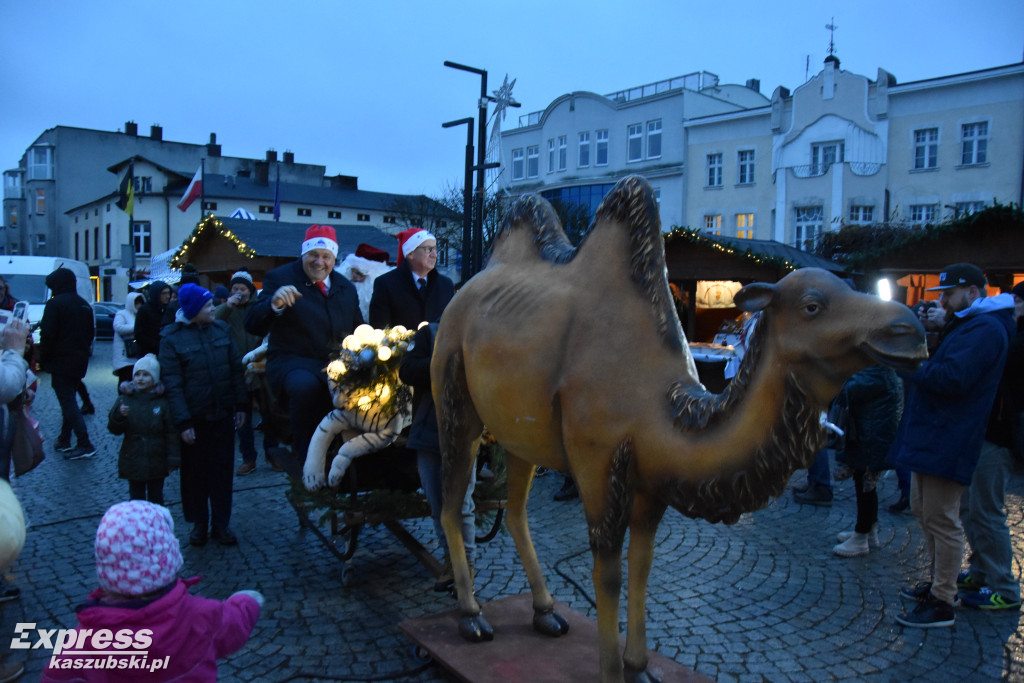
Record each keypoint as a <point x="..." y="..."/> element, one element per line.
<point x="366" y="369"/>
<point x="214" y="223"/>
<point x="697" y="237"/>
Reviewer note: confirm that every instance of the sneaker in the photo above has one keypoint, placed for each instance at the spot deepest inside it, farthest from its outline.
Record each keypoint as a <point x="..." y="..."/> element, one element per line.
<point x="918" y="592"/>
<point x="246" y="468"/>
<point x="62" y="446"/>
<point x="224" y="536"/>
<point x="818" y="495"/>
<point x="986" y="598"/>
<point x="842" y="536"/>
<point x="853" y="545"/>
<point x="966" y="582"/>
<point x="900" y="506"/>
<point x="931" y="613"/>
<point x="80" y="452"/>
<point x="88" y="409"/>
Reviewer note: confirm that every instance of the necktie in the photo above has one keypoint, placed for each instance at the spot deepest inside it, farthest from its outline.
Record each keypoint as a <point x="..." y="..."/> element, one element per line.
<point x="322" y="287"/>
<point x="421" y="283"/>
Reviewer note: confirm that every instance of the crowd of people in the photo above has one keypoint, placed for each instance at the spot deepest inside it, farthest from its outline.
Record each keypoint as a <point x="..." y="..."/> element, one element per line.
<point x="952" y="427"/>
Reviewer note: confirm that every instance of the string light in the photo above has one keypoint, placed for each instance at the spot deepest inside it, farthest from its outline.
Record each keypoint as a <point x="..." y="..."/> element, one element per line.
<point x="213" y="223"/>
<point x="695" y="237"/>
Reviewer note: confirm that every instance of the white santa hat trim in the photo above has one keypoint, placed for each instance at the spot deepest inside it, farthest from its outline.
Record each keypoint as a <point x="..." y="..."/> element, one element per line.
<point x="415" y="240"/>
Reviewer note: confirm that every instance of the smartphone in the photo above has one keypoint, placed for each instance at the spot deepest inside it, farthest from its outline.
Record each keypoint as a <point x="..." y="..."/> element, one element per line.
<point x="21" y="311"/>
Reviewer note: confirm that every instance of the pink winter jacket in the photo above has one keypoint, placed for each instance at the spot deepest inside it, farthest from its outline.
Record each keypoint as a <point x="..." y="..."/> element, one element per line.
<point x="189" y="634"/>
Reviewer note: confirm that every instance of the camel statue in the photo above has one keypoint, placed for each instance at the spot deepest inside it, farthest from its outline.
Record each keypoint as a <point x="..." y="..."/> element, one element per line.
<point x="574" y="359"/>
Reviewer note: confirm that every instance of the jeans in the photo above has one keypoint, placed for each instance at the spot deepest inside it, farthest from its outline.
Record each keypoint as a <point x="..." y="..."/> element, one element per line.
<point x="867" y="504"/>
<point x="981" y="511"/>
<point x="66" y="388"/>
<point x="151" y="490"/>
<point x="207" y="473"/>
<point x="305" y="392"/>
<point x="936" y="505"/>
<point x="429" y="465"/>
<point x="246" y="437"/>
<point x="819" y="474"/>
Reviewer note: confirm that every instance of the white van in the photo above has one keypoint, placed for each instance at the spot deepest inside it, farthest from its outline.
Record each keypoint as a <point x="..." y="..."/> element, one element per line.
<point x="26" y="280"/>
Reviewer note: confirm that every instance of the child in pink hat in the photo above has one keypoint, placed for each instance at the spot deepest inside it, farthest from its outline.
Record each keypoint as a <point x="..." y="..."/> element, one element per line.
<point x="142" y="610"/>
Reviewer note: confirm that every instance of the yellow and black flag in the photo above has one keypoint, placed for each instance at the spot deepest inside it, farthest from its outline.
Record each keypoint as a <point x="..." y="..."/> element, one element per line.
<point x="126" y="192"/>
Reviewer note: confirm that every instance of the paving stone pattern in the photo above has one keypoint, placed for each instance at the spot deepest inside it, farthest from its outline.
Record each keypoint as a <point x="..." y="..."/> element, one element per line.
<point x="762" y="600"/>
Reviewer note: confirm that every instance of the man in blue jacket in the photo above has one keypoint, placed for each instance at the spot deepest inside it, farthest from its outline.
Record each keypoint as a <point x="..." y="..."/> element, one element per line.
<point x="948" y="403"/>
<point x="308" y="309"/>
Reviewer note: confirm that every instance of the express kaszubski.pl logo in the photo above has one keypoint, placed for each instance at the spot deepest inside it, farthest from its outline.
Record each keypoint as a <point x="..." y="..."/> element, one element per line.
<point x="91" y="649"/>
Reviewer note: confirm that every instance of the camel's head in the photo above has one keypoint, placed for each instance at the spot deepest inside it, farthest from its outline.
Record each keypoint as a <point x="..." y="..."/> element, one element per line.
<point x="827" y="331"/>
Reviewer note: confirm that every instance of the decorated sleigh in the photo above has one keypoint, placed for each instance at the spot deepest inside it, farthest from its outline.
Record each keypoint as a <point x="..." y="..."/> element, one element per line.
<point x="358" y="471"/>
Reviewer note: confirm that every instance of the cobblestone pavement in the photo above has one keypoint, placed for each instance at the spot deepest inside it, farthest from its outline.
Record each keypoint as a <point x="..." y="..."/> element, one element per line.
<point x="764" y="599"/>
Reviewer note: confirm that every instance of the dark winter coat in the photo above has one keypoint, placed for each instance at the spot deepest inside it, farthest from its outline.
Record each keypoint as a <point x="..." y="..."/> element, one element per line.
<point x="149" y="320"/>
<point x="1009" y="403"/>
<point x="151" y="443"/>
<point x="202" y="371"/>
<point x="307" y="333"/>
<point x="397" y="301"/>
<point x="414" y="370"/>
<point x="874" y="404"/>
<point x="66" y="330"/>
<point x="950" y="396"/>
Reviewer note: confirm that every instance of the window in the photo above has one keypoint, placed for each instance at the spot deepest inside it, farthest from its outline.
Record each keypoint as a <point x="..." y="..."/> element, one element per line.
<point x="108" y="239"/>
<point x="85" y="236"/>
<point x="862" y="214"/>
<point x="389" y="219"/>
<point x="713" y="222"/>
<point x="601" y="153"/>
<point x="304" y="212"/>
<point x="745" y="162"/>
<point x="714" y="170"/>
<point x="532" y="161"/>
<point x="266" y="208"/>
<point x="442" y="252"/>
<point x="363" y="217"/>
<point x="926" y="148"/>
<point x="745" y="225"/>
<point x="974" y="143"/>
<point x="654" y="139"/>
<point x="563" y="152"/>
<point x="142" y="237"/>
<point x="517" y="164"/>
<point x="824" y="154"/>
<point x="209" y="206"/>
<point x="583" y="160"/>
<point x="551" y="155"/>
<point x="76" y="247"/>
<point x="920" y="214"/>
<point x="334" y="214"/>
<point x="143" y="184"/>
<point x="634" y="142"/>
<point x="809" y="224"/>
<point x="965" y="208"/>
<point x="96" y="242"/>
<point x="40" y="163"/>
<point x="40" y="241"/>
<point x="657" y="195"/>
<point x="40" y="202"/>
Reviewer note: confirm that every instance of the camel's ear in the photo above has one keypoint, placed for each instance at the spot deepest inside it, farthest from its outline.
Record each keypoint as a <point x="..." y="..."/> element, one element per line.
<point x="754" y="297"/>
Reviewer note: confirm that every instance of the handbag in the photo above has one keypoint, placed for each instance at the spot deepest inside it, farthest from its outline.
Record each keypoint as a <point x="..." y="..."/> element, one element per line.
<point x="131" y="348"/>
<point x="26" y="444"/>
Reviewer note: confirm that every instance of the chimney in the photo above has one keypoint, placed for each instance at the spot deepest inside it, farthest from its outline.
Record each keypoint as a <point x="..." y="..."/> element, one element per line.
<point x="289" y="157"/>
<point x="156" y="132"/>
<point x="131" y="128"/>
<point x="213" y="149"/>
<point x="754" y="84"/>
<point x="271" y="155"/>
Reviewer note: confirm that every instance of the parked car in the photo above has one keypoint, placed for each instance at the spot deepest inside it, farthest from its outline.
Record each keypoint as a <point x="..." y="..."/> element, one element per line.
<point x="103" y="315"/>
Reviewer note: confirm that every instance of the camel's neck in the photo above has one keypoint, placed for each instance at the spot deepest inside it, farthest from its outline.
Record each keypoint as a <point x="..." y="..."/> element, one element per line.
<point x="758" y="432"/>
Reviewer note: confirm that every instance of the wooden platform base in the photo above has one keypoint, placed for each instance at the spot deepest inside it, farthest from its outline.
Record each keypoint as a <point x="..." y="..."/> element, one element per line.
<point x="518" y="653"/>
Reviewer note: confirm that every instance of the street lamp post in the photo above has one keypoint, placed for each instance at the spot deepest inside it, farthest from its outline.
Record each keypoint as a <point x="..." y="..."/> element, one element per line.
<point x="467" y="201"/>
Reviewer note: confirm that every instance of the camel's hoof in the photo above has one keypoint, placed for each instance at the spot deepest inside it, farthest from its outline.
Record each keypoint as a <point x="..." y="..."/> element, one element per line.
<point x="550" y="624"/>
<point x="645" y="676"/>
<point x="312" y="482"/>
<point x="475" y="629"/>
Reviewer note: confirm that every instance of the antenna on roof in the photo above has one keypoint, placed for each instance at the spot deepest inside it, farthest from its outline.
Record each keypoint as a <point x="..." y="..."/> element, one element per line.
<point x="831" y="26"/>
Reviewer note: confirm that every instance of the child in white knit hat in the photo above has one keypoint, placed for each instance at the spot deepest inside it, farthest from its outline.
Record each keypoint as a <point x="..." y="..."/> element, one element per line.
<point x="143" y="611"/>
<point x="150" y="450"/>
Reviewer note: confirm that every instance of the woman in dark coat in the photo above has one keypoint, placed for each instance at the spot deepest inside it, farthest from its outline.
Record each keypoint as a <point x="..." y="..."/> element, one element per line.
<point x="149" y="318"/>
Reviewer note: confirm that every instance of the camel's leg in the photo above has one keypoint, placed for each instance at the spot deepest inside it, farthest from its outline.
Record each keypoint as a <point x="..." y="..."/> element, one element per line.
<point x="643" y="524"/>
<point x="520" y="475"/>
<point x="459" y="430"/>
<point x="607" y="579"/>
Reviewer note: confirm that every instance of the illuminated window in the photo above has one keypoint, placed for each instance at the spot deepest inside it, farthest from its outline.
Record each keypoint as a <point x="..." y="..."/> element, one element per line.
<point x="745" y="220"/>
<point x="40" y="202"/>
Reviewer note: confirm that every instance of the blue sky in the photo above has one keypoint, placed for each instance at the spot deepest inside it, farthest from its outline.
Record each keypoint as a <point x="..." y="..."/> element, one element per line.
<point x="361" y="88"/>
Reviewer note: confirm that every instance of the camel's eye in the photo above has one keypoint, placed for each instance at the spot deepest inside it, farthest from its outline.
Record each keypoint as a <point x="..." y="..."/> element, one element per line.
<point x="811" y="308"/>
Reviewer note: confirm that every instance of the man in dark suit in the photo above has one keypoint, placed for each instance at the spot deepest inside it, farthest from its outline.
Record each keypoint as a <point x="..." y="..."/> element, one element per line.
<point x="414" y="292"/>
<point x="308" y="309"/>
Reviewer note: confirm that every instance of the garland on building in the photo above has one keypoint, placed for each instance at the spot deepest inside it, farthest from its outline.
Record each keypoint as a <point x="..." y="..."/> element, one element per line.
<point x="701" y="238"/>
<point x="213" y="223"/>
<point x="366" y="369"/>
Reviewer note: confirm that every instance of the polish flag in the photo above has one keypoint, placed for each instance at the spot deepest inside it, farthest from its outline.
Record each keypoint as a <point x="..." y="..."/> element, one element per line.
<point x="195" y="188"/>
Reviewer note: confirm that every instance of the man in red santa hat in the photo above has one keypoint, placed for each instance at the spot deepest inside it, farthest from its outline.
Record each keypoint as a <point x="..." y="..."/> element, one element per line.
<point x="414" y="292"/>
<point x="308" y="309"/>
